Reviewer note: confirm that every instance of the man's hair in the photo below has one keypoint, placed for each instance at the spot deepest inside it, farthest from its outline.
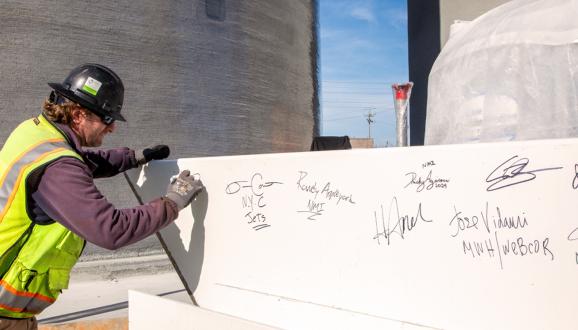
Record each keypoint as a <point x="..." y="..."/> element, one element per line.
<point x="59" y="113"/>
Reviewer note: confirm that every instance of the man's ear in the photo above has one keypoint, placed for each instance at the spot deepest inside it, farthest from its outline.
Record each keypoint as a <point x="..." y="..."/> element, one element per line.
<point x="77" y="116"/>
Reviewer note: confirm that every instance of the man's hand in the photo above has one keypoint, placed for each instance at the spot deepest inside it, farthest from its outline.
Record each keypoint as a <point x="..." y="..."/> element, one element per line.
<point x="184" y="189"/>
<point x="151" y="152"/>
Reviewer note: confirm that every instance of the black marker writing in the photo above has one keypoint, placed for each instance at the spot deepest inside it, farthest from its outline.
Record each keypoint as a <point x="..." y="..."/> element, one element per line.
<point x="252" y="198"/>
<point x="516" y="247"/>
<point x="428" y="183"/>
<point x="314" y="209"/>
<point x="511" y="172"/>
<point x="402" y="224"/>
<point x="310" y="188"/>
<point x="495" y="221"/>
<point x="463" y="222"/>
<point x="320" y="198"/>
<point x="428" y="163"/>
<point x="256" y="184"/>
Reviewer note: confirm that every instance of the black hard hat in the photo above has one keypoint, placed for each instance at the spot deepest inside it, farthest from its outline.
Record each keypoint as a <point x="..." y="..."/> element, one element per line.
<point x="94" y="87"/>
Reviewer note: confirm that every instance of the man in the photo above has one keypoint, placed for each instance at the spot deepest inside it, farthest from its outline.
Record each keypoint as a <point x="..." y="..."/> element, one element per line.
<point x="49" y="205"/>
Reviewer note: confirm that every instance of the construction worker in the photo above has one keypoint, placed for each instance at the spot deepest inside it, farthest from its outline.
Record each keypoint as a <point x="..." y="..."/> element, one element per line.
<point x="49" y="205"/>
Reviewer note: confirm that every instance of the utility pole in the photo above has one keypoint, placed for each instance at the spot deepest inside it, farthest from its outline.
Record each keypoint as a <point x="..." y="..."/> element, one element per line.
<point x="370" y="114"/>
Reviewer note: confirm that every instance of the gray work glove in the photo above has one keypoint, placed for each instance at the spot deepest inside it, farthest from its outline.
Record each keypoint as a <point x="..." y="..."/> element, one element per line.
<point x="151" y="152"/>
<point x="184" y="189"/>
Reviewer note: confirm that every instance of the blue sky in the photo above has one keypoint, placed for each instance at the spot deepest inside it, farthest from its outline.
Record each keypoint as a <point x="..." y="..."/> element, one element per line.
<point x="363" y="50"/>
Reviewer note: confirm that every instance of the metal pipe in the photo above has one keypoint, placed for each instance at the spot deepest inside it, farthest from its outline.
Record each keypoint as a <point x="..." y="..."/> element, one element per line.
<point x="401" y="95"/>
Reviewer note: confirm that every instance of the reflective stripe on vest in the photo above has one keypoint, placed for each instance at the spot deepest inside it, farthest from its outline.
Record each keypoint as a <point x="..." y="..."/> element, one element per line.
<point x="11" y="179"/>
<point x="36" y="271"/>
<point x="16" y="301"/>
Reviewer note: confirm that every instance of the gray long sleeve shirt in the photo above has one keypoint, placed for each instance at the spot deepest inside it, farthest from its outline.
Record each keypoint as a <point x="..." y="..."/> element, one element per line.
<point x="65" y="192"/>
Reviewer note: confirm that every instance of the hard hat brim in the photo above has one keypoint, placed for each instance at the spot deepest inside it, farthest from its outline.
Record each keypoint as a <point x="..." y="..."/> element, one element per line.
<point x="65" y="92"/>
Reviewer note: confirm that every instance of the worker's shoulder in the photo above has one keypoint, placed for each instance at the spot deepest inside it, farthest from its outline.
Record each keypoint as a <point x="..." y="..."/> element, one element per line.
<point x="67" y="165"/>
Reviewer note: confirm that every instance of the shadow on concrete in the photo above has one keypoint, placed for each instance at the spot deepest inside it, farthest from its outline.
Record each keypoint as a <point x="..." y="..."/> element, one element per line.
<point x="191" y="257"/>
<point x="194" y="255"/>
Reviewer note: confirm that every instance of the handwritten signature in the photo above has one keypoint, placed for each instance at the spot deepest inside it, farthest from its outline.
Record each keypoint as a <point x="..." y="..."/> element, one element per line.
<point x="254" y="196"/>
<point x="314" y="209"/>
<point x="512" y="172"/>
<point x="402" y="224"/>
<point x="428" y="183"/>
<point x="256" y="184"/>
<point x="259" y="219"/>
<point x="327" y="191"/>
<point x="319" y="198"/>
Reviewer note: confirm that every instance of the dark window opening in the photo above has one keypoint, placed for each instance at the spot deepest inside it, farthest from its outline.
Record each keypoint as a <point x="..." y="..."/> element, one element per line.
<point x="215" y="9"/>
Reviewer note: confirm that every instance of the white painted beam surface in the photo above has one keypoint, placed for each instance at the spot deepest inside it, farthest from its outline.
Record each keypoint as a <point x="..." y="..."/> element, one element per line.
<point x="452" y="237"/>
<point x="148" y="312"/>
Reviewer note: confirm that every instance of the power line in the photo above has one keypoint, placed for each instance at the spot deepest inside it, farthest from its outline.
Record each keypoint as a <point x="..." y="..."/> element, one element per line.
<point x="354" y="106"/>
<point x="344" y="118"/>
<point x="352" y="110"/>
<point x="358" y="92"/>
<point x="355" y="109"/>
<point x="354" y="102"/>
<point x="352" y="117"/>
<point x="359" y="82"/>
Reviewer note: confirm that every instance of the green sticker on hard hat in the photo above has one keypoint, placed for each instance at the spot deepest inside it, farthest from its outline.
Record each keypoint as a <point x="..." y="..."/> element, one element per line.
<point x="91" y="86"/>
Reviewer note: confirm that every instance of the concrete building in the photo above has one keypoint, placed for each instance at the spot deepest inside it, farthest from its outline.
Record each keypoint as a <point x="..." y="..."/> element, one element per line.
<point x="361" y="143"/>
<point x="207" y="77"/>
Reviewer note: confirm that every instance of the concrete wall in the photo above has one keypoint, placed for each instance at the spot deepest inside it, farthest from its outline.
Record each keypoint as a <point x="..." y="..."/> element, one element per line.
<point x="207" y="86"/>
<point x="464" y="10"/>
<point x="207" y="77"/>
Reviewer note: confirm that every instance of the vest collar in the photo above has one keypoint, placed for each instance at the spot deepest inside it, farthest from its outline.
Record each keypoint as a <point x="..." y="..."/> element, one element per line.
<point x="67" y="132"/>
<point x="72" y="140"/>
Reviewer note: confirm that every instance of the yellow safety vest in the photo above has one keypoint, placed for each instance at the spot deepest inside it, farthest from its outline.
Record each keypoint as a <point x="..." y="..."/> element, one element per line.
<point x="35" y="259"/>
